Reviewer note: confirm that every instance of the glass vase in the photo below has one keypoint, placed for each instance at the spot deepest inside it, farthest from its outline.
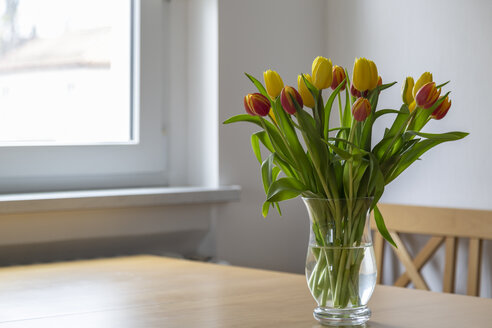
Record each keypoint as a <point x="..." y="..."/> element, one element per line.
<point x="340" y="264"/>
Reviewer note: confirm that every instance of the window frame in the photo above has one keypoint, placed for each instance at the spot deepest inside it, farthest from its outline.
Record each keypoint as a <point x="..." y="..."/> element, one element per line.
<point x="141" y="162"/>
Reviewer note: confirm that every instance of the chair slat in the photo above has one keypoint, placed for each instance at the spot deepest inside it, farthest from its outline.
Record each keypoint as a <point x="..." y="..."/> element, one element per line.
<point x="474" y="255"/>
<point x="379" y="254"/>
<point x="449" y="265"/>
<point x="422" y="257"/>
<point x="402" y="253"/>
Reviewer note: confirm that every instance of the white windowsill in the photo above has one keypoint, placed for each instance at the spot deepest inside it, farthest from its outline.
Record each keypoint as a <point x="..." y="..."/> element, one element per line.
<point x="114" y="198"/>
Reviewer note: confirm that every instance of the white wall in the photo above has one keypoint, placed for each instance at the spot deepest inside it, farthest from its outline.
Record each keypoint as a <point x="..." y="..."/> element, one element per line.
<point x="255" y="36"/>
<point x="449" y="38"/>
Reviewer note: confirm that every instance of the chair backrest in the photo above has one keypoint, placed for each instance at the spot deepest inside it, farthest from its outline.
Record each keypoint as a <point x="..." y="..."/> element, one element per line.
<point x="445" y="225"/>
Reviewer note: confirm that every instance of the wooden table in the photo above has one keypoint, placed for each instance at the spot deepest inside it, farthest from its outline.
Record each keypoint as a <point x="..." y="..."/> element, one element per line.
<point x="149" y="291"/>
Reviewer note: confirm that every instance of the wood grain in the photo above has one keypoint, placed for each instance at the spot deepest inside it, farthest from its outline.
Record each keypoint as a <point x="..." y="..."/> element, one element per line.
<point x="148" y="292"/>
<point x="379" y="255"/>
<point x="422" y="257"/>
<point x="474" y="261"/>
<point x="437" y="221"/>
<point x="449" y="265"/>
<point x="402" y="254"/>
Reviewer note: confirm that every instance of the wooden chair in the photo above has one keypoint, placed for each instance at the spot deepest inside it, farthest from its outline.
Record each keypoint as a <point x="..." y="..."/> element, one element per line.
<point x="445" y="225"/>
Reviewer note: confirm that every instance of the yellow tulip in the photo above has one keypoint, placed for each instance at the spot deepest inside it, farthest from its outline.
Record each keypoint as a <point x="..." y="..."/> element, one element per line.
<point x="423" y="79"/>
<point x="412" y="106"/>
<point x="365" y="74"/>
<point x="273" y="83"/>
<point x="306" y="95"/>
<point x="406" y="91"/>
<point x="322" y="72"/>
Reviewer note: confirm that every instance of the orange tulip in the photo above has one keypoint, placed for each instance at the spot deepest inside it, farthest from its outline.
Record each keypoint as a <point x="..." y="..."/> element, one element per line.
<point x="338" y="77"/>
<point x="256" y="104"/>
<point x="442" y="109"/>
<point x="427" y="95"/>
<point x="361" y="109"/>
<point x="286" y="99"/>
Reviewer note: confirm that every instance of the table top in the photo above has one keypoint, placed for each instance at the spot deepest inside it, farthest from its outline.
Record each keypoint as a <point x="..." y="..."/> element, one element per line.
<point x="151" y="291"/>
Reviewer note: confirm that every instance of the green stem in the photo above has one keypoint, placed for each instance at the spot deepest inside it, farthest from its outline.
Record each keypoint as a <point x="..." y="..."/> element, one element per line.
<point x="403" y="126"/>
<point x="340" y="108"/>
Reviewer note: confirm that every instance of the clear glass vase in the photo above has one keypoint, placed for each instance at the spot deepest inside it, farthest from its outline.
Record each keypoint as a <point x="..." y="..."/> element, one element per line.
<point x="340" y="264"/>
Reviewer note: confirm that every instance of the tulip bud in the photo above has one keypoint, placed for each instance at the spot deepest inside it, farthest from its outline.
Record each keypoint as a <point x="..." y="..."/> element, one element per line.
<point x="427" y="95"/>
<point x="286" y="99"/>
<point x="365" y="74"/>
<point x="338" y="77"/>
<point x="306" y="95"/>
<point x="273" y="83"/>
<point x="412" y="106"/>
<point x="380" y="81"/>
<point x="354" y="92"/>
<point x="361" y="109"/>
<point x="256" y="104"/>
<point x="442" y="109"/>
<point x="406" y="91"/>
<point x="423" y="79"/>
<point x="322" y="72"/>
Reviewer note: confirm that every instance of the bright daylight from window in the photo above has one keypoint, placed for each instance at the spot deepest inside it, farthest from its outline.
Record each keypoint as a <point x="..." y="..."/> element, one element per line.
<point x="65" y="72"/>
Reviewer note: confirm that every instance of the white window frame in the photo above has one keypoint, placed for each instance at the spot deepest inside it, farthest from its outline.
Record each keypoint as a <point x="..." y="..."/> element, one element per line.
<point x="141" y="162"/>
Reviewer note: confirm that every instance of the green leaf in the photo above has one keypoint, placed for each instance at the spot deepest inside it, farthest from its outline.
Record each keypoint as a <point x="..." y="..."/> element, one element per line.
<point x="378" y="217"/>
<point x="382" y="112"/>
<point x="328" y="106"/>
<point x="265" y="208"/>
<point x="347" y="112"/>
<point x="442" y="84"/>
<point x="385" y="86"/>
<point x="338" y="129"/>
<point x="259" y="86"/>
<point x="449" y="136"/>
<point x="296" y="151"/>
<point x="265" y="140"/>
<point x="312" y="89"/>
<point x="272" y="132"/>
<point x="243" y="118"/>
<point x="344" y="141"/>
<point x="413" y="154"/>
<point x="266" y="172"/>
<point x="255" y="145"/>
<point x="285" y="188"/>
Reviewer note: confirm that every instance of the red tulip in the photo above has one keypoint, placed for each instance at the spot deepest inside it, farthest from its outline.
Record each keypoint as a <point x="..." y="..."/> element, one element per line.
<point x="286" y="99"/>
<point x="427" y="95"/>
<point x="256" y="104"/>
<point x="361" y="109"/>
<point x="442" y="109"/>
<point x="354" y="92"/>
<point x="338" y="77"/>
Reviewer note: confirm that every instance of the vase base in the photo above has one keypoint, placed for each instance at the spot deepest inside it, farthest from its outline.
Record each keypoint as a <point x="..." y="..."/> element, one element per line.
<point x="342" y="317"/>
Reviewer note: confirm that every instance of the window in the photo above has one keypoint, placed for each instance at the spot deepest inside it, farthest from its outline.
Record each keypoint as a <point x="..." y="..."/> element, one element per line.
<point x="65" y="70"/>
<point x="81" y="84"/>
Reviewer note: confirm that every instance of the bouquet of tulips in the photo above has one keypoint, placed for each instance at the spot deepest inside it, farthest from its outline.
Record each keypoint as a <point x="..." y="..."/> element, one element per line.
<point x="309" y="157"/>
